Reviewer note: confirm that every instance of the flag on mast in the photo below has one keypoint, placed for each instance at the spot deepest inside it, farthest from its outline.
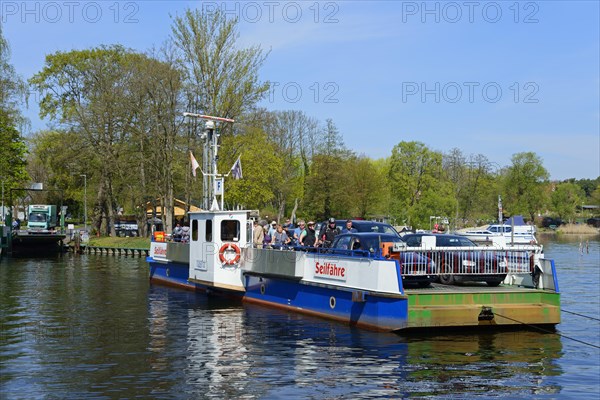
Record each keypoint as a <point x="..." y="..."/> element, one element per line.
<point x="236" y="170"/>
<point x="195" y="164"/>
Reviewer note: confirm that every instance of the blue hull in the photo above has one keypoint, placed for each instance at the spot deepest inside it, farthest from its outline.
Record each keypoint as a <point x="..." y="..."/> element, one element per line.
<point x="351" y="307"/>
<point x="171" y="274"/>
<point x="354" y="308"/>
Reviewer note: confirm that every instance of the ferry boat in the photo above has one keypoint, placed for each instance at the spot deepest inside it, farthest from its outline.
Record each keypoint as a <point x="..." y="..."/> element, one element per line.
<point x="363" y="289"/>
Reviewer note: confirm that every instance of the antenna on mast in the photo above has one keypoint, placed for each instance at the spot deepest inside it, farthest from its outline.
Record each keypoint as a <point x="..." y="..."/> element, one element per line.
<point x="212" y="181"/>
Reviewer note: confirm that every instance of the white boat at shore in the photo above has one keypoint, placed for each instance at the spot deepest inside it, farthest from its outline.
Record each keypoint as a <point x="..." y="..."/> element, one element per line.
<point x="514" y="231"/>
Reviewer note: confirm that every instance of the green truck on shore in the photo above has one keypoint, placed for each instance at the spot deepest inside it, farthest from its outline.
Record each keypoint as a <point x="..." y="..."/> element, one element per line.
<point x="41" y="218"/>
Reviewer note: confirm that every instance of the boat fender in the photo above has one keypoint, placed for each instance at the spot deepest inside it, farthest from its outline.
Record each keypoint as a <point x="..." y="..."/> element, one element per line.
<point x="229" y="247"/>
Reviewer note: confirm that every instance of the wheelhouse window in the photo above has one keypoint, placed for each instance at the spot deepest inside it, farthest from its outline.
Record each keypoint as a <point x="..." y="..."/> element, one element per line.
<point x="208" y="230"/>
<point x="195" y="230"/>
<point x="230" y="230"/>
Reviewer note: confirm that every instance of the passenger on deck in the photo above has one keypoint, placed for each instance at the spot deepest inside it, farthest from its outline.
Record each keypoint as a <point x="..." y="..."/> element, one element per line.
<point x="329" y="233"/>
<point x="185" y="234"/>
<point x="177" y="233"/>
<point x="349" y="228"/>
<point x="280" y="238"/>
<point x="298" y="232"/>
<point x="308" y="237"/>
<point x="272" y="228"/>
<point x="258" y="235"/>
<point x="288" y="228"/>
<point x="267" y="237"/>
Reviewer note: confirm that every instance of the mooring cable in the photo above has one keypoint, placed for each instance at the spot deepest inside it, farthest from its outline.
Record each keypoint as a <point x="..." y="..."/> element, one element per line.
<point x="581" y="315"/>
<point x="547" y="331"/>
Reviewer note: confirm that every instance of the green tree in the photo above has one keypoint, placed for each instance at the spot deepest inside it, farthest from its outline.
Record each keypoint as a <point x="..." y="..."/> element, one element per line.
<point x="260" y="163"/>
<point x="366" y="185"/>
<point x="588" y="185"/>
<point x="417" y="184"/>
<point x="565" y="198"/>
<point x="473" y="181"/>
<point x="110" y="95"/>
<point x="153" y="136"/>
<point x="58" y="158"/>
<point x="13" y="151"/>
<point x="13" y="90"/>
<point x="294" y="135"/>
<point x="327" y="191"/>
<point x="595" y="196"/>
<point x="222" y="78"/>
<point x="524" y="184"/>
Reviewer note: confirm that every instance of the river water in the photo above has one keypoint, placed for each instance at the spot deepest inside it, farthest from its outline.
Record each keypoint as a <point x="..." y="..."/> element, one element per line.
<point x="92" y="326"/>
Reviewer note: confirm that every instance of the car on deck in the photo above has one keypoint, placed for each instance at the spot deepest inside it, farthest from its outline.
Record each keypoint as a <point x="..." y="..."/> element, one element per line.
<point x="416" y="269"/>
<point x="470" y="263"/>
<point x="361" y="225"/>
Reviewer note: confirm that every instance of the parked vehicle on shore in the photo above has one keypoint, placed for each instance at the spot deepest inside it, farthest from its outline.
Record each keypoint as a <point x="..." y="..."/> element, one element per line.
<point x="469" y="263"/>
<point x="41" y="218"/>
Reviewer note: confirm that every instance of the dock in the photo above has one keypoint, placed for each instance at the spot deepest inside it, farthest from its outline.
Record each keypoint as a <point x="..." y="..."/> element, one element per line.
<point x="24" y="242"/>
<point x="115" y="251"/>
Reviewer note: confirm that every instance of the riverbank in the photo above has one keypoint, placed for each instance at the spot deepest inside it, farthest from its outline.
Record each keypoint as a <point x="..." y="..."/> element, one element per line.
<point x="577" y="229"/>
<point x="120" y="242"/>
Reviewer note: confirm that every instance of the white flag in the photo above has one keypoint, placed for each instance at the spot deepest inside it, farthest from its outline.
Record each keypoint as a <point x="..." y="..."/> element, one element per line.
<point x="195" y="164"/>
<point x="236" y="170"/>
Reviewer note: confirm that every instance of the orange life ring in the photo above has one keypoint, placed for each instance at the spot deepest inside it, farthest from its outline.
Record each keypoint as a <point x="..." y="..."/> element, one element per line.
<point x="228" y="247"/>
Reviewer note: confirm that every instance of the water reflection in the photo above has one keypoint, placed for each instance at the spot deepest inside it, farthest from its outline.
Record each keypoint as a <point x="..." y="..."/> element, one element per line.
<point x="232" y="351"/>
<point x="92" y="327"/>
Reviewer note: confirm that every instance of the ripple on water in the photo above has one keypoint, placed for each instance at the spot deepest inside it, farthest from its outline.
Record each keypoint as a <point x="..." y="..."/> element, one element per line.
<point x="93" y="327"/>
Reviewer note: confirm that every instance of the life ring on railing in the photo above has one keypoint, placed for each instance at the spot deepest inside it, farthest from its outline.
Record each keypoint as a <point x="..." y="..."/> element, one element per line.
<point x="229" y="248"/>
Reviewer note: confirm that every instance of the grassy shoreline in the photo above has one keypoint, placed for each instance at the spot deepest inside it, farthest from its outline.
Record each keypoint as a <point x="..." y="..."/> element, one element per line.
<point x="120" y="242"/>
<point x="570" y="229"/>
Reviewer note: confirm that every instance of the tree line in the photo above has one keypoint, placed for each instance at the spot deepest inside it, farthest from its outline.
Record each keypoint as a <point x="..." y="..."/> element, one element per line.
<point x="116" y="116"/>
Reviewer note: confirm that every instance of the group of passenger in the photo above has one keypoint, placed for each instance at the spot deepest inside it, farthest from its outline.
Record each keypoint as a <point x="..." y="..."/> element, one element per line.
<point x="181" y="233"/>
<point x="276" y="235"/>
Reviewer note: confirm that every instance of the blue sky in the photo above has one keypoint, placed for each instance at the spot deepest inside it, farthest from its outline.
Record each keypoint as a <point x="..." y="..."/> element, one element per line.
<point x="494" y="78"/>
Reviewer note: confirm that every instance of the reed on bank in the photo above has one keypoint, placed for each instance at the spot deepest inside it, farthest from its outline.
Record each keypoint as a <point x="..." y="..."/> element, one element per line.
<point x="577" y="229"/>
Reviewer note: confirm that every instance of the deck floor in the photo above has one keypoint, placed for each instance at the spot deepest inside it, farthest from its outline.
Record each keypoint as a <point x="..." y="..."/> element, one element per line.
<point x="467" y="288"/>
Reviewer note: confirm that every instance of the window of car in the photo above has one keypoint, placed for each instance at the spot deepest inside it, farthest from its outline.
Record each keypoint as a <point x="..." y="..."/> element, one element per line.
<point x="413" y="241"/>
<point x="453" y="241"/>
<point x="466" y="242"/>
<point x="343" y="242"/>
<point x="356" y="244"/>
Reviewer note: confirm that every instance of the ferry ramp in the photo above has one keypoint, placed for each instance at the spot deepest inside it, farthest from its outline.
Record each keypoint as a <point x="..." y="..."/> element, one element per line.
<point x="479" y="305"/>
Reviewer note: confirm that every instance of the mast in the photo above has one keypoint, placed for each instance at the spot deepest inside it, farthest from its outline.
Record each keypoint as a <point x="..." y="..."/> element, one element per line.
<point x="500" y="219"/>
<point x="210" y="156"/>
